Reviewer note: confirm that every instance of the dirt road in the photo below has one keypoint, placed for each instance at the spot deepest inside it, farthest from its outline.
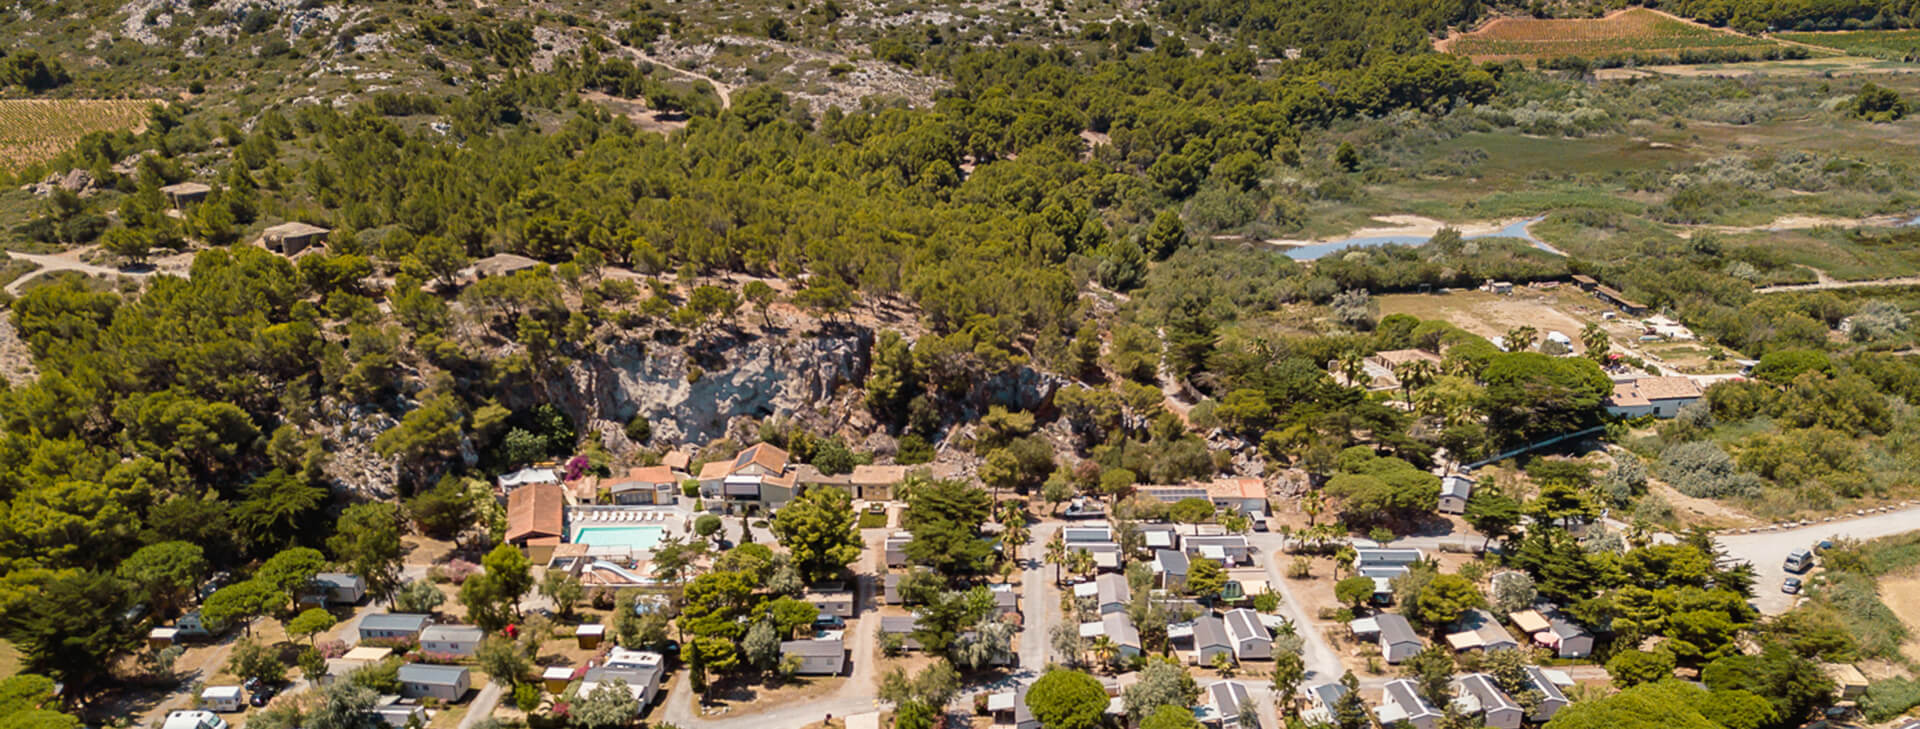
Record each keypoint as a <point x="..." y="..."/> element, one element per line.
<point x="64" y="261"/>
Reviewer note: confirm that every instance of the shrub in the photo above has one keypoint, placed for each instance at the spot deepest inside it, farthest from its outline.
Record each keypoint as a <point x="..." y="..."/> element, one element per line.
<point x="1890" y="698"/>
<point x="1701" y="469"/>
<point x="457" y="571"/>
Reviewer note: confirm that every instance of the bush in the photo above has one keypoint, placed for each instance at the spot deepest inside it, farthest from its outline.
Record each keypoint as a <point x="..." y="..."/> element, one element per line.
<point x="1890" y="698"/>
<point x="914" y="449"/>
<point x="1702" y="470"/>
<point x="457" y="571"/>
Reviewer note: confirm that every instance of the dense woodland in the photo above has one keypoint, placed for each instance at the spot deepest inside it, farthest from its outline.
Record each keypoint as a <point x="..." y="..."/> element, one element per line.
<point x="182" y="427"/>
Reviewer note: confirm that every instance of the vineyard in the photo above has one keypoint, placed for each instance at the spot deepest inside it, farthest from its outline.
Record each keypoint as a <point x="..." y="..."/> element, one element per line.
<point x="1892" y="45"/>
<point x="1635" y="32"/>
<point x="35" y="130"/>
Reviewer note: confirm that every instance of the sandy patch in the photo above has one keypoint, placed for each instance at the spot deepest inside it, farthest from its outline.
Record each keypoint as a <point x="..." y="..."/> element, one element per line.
<point x="1901" y="593"/>
<point x="1406" y="225"/>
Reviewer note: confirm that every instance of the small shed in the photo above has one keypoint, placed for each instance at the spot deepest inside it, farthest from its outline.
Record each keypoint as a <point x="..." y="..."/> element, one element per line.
<point x="589" y="636"/>
<point x="556" y="678"/>
<point x="182" y="194"/>
<point x="291" y="238"/>
<point x="160" y="638"/>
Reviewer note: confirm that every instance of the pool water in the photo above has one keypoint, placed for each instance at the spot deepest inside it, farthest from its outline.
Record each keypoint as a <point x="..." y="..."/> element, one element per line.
<point x="635" y="537"/>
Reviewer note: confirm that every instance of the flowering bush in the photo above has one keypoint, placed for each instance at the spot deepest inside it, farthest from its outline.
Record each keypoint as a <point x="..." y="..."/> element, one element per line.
<point x="459" y="570"/>
<point x="331" y="648"/>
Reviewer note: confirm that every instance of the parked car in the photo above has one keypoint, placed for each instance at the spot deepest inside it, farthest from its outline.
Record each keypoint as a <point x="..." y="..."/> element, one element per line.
<point x="829" y="622"/>
<point x="1790" y="586"/>
<point x="1824" y="545"/>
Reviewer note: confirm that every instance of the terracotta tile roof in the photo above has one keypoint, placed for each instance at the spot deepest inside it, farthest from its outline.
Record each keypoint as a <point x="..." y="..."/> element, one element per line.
<point x="765" y="455"/>
<point x="643" y="477"/>
<point x="1645" y="390"/>
<point x="715" y="470"/>
<point x="1237" y="488"/>
<point x="676" y="460"/>
<point x="536" y="510"/>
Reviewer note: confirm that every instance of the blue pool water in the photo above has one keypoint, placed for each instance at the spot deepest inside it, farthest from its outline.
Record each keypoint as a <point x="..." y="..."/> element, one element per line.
<point x="1517" y="230"/>
<point x="635" y="537"/>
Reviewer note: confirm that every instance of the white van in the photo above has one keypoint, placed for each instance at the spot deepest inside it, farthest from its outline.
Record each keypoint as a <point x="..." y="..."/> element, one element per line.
<point x="1799" y="561"/>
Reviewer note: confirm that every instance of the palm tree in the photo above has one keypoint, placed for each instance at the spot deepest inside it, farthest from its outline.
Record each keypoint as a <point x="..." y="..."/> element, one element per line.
<point x="1420" y="373"/>
<point x="1104" y="649"/>
<point x="1312" y="505"/>
<point x="1080" y="563"/>
<point x="1521" y="338"/>
<point x="1352" y="366"/>
<point x="1056" y="555"/>
<point x="1596" y="341"/>
<point x="1016" y="537"/>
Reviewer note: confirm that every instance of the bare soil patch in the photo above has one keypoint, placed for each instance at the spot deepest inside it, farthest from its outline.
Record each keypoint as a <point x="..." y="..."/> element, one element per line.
<point x="1901" y="593"/>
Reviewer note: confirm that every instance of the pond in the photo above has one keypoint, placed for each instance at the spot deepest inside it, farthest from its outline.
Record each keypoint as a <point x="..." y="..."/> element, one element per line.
<point x="1517" y="229"/>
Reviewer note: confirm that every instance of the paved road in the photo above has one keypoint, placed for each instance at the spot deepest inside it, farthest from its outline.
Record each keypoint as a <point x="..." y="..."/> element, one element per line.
<point x="483" y="703"/>
<point x="1322" y="663"/>
<point x="1039" y="612"/>
<point x="1767" y="551"/>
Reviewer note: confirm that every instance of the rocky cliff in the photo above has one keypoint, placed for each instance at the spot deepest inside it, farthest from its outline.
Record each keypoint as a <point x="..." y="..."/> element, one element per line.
<point x="694" y="392"/>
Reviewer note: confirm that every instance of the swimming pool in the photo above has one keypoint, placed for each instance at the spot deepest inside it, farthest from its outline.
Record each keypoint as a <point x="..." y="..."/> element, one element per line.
<point x="634" y="537"/>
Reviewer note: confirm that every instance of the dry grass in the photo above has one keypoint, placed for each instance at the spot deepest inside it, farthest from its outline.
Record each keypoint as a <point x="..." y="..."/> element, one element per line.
<point x="1629" y="31"/>
<point x="36" y="130"/>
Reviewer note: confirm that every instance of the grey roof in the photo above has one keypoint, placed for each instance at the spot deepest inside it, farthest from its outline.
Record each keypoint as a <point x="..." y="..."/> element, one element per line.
<point x="1244" y="623"/>
<point x="1210" y="630"/>
<point x="452" y="633"/>
<point x="1365" y="556"/>
<point x="1228" y="696"/>
<point x="1173" y="561"/>
<point x="1328" y="693"/>
<point x="1395" y="629"/>
<point x="1006" y="599"/>
<point x="1083" y="533"/>
<point x="1113" y="588"/>
<point x="338" y="579"/>
<point x="820" y="647"/>
<point x="1120" y="629"/>
<point x="1547" y="688"/>
<point x="1400" y="692"/>
<point x="1481" y="686"/>
<point x="899" y="623"/>
<point x="634" y="675"/>
<point x="1561" y="627"/>
<point x="410" y="622"/>
<point x="1457" y="486"/>
<point x="431" y="674"/>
